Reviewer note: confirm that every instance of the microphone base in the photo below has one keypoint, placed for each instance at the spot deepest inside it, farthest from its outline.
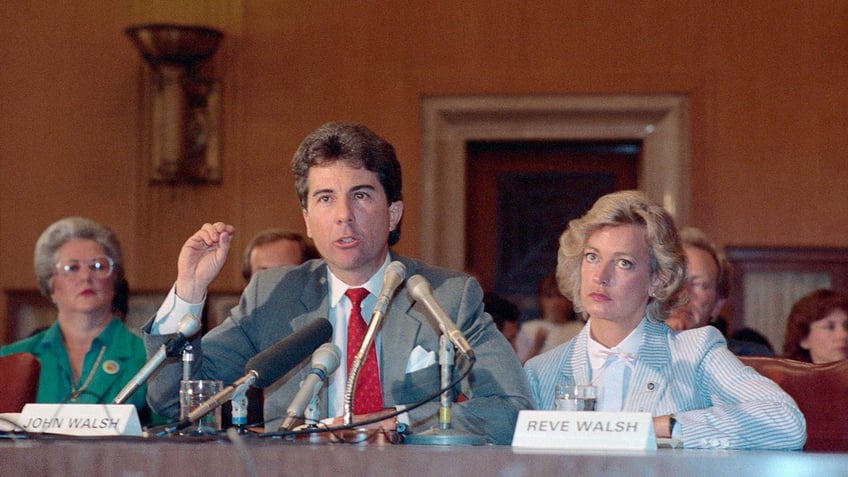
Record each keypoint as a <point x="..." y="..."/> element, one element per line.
<point x="444" y="437"/>
<point x="357" y="435"/>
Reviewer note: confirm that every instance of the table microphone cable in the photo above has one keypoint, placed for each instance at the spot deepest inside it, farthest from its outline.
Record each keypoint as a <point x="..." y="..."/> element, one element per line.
<point x="316" y="428"/>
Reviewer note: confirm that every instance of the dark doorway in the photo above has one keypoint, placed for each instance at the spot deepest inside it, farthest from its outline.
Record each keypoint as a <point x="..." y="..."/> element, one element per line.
<point x="520" y="196"/>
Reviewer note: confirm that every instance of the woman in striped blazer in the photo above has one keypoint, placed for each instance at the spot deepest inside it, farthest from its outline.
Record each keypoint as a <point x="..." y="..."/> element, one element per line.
<point x="623" y="266"/>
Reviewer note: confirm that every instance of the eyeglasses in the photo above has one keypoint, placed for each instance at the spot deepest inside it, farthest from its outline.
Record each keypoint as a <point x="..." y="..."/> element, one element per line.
<point x="100" y="267"/>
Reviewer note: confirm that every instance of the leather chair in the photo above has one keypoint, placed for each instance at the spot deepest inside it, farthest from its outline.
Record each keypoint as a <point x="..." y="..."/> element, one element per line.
<point x="19" y="373"/>
<point x="821" y="392"/>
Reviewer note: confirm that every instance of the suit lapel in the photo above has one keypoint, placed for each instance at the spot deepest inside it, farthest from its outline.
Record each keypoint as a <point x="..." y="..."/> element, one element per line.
<point x="581" y="367"/>
<point x="314" y="297"/>
<point x="649" y="382"/>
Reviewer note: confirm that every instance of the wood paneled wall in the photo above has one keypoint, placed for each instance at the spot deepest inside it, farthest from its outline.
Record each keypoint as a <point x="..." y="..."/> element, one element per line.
<point x="766" y="80"/>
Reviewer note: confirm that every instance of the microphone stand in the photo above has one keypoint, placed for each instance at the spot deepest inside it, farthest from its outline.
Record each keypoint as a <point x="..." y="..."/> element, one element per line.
<point x="165" y="351"/>
<point x="239" y="403"/>
<point x="187" y="360"/>
<point x="189" y="325"/>
<point x="445" y="434"/>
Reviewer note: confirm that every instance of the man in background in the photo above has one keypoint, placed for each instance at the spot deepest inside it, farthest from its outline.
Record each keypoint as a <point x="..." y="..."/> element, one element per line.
<point x="708" y="284"/>
<point x="274" y="248"/>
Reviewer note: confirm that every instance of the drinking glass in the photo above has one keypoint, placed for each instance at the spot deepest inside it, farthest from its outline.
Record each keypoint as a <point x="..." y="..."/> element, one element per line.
<point x="575" y="397"/>
<point x="192" y="394"/>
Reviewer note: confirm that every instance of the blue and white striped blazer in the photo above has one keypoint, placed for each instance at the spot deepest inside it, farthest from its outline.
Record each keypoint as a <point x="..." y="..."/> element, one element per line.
<point x="718" y="401"/>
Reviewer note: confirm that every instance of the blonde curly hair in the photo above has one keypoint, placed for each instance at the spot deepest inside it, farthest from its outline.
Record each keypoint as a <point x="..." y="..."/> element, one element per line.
<point x="668" y="261"/>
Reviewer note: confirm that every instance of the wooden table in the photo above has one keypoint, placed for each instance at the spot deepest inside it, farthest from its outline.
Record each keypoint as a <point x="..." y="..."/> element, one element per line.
<point x="53" y="456"/>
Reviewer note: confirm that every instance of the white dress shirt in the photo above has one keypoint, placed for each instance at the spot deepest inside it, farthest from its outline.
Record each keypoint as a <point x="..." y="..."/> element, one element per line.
<point x="612" y="368"/>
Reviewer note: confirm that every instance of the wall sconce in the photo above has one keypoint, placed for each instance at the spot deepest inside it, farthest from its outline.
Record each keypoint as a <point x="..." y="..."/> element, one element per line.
<point x="182" y="102"/>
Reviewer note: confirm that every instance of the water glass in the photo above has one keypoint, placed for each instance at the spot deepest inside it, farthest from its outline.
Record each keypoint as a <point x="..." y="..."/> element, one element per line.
<point x="192" y="394"/>
<point x="575" y="397"/>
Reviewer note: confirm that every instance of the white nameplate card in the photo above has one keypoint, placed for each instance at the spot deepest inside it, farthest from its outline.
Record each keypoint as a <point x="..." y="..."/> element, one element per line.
<point x="585" y="430"/>
<point x="81" y="419"/>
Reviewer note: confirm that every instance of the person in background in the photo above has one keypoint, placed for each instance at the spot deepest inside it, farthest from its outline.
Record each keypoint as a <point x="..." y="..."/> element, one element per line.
<point x="348" y="181"/>
<point x="557" y="324"/>
<point x="749" y="342"/>
<point x="505" y="314"/>
<point x="817" y="328"/>
<point x="270" y="248"/>
<point x="708" y="284"/>
<point x="274" y="248"/>
<point x="88" y="355"/>
<point x="622" y="264"/>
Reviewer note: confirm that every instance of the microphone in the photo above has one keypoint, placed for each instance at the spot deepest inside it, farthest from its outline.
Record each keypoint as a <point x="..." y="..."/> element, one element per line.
<point x="268" y="365"/>
<point x="392" y="278"/>
<point x="188" y="326"/>
<point x="420" y="290"/>
<point x="325" y="360"/>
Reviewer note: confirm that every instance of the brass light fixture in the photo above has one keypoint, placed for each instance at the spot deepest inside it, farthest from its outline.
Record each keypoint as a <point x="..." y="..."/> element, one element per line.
<point x="182" y="104"/>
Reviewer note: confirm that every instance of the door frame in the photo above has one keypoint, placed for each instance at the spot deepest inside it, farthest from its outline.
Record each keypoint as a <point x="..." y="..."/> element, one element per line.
<point x="660" y="121"/>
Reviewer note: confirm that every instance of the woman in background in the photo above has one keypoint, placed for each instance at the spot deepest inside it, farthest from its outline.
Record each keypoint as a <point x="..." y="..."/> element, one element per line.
<point x="557" y="324"/>
<point x="817" y="328"/>
<point x="88" y="355"/>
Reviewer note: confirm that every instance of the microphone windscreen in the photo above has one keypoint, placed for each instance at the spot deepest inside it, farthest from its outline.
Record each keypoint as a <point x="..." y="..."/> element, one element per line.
<point x="189" y="325"/>
<point x="327" y="356"/>
<point x="394" y="275"/>
<point x="278" y="359"/>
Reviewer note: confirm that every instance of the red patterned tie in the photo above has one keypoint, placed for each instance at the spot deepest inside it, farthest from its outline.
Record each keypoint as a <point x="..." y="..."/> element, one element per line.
<point x="369" y="395"/>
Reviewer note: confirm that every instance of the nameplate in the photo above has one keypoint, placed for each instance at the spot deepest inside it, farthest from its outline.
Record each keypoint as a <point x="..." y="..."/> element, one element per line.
<point x="81" y="419"/>
<point x="584" y="430"/>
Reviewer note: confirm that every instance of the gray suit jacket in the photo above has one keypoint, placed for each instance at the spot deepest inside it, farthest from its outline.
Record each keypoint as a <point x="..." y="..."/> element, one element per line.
<point x="279" y="301"/>
<point x="718" y="401"/>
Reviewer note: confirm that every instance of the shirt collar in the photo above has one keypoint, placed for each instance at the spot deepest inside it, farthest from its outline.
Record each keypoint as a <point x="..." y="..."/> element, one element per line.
<point x="630" y="344"/>
<point x="374" y="284"/>
<point x="53" y="338"/>
<point x="53" y="335"/>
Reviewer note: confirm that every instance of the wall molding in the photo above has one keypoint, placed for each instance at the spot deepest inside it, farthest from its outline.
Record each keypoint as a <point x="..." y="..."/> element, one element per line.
<point x="661" y="122"/>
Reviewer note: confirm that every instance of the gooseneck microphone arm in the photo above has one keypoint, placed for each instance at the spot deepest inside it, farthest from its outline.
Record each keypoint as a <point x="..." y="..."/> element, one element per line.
<point x="392" y="278"/>
<point x="356" y="366"/>
<point x="462" y="374"/>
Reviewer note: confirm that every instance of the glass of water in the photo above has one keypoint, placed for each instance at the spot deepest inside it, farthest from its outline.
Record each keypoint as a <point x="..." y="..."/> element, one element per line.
<point x="193" y="393"/>
<point x="575" y="397"/>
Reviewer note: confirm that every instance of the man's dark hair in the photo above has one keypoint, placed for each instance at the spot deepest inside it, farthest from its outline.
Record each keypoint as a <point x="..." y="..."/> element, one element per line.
<point x="355" y="145"/>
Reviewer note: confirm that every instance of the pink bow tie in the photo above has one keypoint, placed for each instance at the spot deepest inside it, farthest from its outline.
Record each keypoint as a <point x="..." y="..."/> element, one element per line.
<point x="609" y="356"/>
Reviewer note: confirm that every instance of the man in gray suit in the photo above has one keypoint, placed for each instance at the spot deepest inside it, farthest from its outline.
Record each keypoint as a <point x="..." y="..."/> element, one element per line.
<point x="348" y="181"/>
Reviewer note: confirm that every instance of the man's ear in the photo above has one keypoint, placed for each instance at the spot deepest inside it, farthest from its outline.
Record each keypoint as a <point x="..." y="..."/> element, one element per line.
<point x="395" y="214"/>
<point x="719" y="304"/>
<point x="306" y="221"/>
